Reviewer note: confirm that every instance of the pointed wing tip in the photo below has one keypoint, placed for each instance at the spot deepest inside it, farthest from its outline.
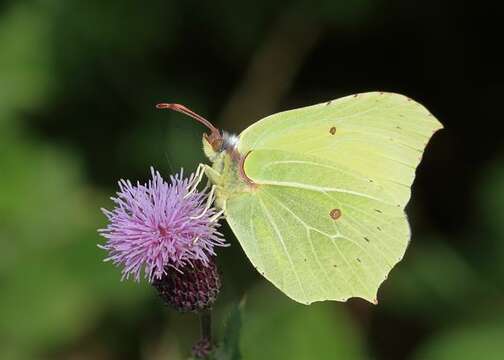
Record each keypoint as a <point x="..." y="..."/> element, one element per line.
<point x="437" y="125"/>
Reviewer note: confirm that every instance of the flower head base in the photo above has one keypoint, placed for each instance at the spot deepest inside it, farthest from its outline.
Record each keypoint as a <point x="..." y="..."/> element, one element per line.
<point x="194" y="289"/>
<point x="157" y="225"/>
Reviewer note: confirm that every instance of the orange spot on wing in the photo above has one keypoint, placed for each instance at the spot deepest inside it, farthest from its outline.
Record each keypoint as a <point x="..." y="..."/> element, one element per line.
<point x="335" y="214"/>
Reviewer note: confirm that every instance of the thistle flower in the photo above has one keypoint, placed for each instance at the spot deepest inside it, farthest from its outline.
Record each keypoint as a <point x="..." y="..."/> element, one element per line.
<point x="160" y="227"/>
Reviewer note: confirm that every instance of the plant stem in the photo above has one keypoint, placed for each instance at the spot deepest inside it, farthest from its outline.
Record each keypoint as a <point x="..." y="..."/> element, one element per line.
<point x="206" y="325"/>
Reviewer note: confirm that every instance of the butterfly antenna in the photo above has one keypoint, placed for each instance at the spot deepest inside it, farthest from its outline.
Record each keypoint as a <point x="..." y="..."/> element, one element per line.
<point x="182" y="109"/>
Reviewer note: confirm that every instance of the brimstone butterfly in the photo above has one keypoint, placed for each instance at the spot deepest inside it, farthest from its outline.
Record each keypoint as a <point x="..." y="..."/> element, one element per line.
<point x="316" y="195"/>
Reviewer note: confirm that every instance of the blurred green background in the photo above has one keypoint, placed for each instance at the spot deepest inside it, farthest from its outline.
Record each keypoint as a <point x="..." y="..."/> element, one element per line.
<point x="78" y="85"/>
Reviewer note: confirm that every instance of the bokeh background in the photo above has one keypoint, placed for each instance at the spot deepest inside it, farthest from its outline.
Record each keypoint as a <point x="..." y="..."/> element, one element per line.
<point x="78" y="85"/>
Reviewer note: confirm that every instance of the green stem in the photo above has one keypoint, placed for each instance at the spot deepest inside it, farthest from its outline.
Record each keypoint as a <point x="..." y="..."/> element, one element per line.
<point x="206" y="325"/>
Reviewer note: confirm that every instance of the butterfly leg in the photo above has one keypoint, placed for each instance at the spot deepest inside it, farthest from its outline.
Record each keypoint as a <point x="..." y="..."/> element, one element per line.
<point x="217" y="179"/>
<point x="195" y="180"/>
<point x="210" y="200"/>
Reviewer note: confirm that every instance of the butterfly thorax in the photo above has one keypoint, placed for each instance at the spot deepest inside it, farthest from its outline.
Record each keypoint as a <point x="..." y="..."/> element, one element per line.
<point x="226" y="172"/>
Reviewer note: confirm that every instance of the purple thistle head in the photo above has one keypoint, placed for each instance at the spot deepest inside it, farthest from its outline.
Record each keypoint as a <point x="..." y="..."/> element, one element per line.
<point x="159" y="225"/>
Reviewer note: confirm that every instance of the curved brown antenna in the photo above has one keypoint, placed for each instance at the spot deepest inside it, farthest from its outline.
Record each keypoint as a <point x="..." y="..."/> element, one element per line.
<point x="182" y="109"/>
<point x="215" y="138"/>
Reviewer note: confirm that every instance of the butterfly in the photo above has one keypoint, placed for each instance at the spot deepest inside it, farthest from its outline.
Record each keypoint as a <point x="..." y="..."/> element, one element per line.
<point x="316" y="196"/>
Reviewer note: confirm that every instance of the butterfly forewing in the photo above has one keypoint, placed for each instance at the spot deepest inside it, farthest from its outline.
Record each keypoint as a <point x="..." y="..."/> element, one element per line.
<point x="379" y="135"/>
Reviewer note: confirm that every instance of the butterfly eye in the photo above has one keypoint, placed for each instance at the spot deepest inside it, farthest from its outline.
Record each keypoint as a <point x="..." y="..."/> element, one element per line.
<point x="215" y="140"/>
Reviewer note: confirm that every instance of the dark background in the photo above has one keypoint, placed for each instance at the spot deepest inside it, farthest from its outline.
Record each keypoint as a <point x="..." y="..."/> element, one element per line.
<point x="78" y="85"/>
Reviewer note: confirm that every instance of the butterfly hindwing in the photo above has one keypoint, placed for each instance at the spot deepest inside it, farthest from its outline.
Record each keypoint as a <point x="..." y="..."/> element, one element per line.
<point x="312" y="239"/>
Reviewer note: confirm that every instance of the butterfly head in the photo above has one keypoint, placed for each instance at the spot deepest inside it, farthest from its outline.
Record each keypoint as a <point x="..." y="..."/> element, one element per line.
<point x="226" y="142"/>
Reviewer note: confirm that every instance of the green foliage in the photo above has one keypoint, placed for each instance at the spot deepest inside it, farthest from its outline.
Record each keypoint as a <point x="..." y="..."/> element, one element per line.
<point x="229" y="347"/>
<point x="25" y="62"/>
<point x="468" y="342"/>
<point x="275" y="327"/>
<point x="418" y="287"/>
<point x="54" y="286"/>
<point x="491" y="195"/>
